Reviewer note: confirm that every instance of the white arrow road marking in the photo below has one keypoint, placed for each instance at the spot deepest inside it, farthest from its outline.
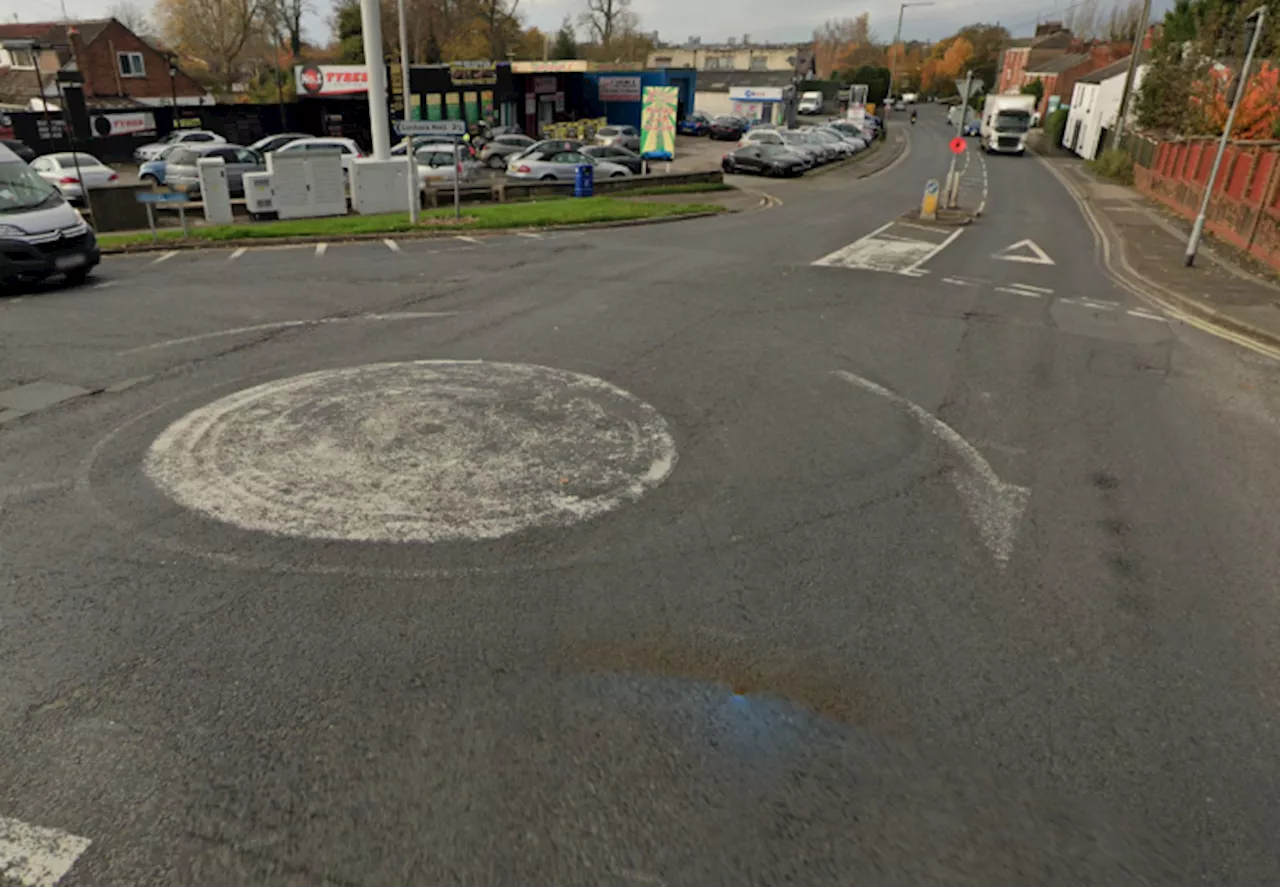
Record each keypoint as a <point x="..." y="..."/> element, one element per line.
<point x="320" y="249"/>
<point x="237" y="254"/>
<point x="35" y="856"/>
<point x="391" y="245"/>
<point x="1037" y="255"/>
<point x="995" y="506"/>
<point x="166" y="257"/>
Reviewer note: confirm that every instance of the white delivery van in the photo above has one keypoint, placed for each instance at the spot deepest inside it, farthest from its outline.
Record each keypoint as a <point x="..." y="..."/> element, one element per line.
<point x="40" y="233"/>
<point x="810" y="103"/>
<point x="1006" y="119"/>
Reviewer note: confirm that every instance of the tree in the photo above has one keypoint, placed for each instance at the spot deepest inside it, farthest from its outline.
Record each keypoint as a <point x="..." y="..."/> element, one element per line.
<point x="349" y="31"/>
<point x="844" y="43"/>
<point x="501" y="27"/>
<point x="286" y="17"/>
<point x="1035" y="88"/>
<point x="212" y="30"/>
<point x="1124" y="24"/>
<point x="533" y="44"/>
<point x="956" y="59"/>
<point x="566" y="44"/>
<point x="605" y="18"/>
<point x="133" y="16"/>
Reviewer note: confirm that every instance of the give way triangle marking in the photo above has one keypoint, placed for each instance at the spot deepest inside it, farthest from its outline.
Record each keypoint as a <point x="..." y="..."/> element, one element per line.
<point x="1024" y="251"/>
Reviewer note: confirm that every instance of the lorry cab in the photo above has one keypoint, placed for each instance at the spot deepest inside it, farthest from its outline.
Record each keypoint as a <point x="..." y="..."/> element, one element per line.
<point x="1006" y="120"/>
<point x="40" y="233"/>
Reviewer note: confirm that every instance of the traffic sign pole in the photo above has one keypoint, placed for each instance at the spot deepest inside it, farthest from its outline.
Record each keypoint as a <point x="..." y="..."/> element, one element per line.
<point x="953" y="186"/>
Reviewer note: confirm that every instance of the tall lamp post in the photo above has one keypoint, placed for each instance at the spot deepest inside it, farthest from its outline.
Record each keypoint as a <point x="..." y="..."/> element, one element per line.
<point x="173" y="84"/>
<point x="1253" y="27"/>
<point x="897" y="38"/>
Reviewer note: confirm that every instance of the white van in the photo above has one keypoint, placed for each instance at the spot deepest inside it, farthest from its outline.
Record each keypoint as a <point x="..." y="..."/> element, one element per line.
<point x="810" y="103"/>
<point x="40" y="233"/>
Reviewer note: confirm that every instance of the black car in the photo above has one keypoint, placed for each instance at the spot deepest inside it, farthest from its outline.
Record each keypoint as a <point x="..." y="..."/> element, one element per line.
<point x="727" y="129"/>
<point x="20" y="148"/>
<point x="617" y="154"/>
<point x="764" y="160"/>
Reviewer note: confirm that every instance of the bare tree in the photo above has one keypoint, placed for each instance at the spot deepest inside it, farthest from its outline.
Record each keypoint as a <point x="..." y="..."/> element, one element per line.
<point x="286" y="16"/>
<point x="133" y="16"/>
<point x="606" y="18"/>
<point x="501" y="25"/>
<point x="1125" y="23"/>
<point x="215" y="31"/>
<point x="1083" y="20"/>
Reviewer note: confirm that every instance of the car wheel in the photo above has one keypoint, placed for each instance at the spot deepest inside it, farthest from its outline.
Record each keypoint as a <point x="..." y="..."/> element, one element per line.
<point x="547" y="178"/>
<point x="150" y="180"/>
<point x="77" y="277"/>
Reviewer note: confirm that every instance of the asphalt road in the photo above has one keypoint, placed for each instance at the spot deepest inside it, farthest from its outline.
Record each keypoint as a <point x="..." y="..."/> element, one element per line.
<point x="916" y="566"/>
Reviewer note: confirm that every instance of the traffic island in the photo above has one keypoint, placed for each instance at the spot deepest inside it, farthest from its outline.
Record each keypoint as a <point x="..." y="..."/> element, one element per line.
<point x="541" y="215"/>
<point x="943" y="218"/>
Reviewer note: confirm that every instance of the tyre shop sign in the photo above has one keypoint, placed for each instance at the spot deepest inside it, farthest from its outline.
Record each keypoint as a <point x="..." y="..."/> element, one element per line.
<point x="331" y="79"/>
<point x="619" y="89"/>
<point x="132" y="123"/>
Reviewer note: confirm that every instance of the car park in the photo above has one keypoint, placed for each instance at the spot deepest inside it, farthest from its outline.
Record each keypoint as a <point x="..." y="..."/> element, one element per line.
<point x="697" y="123"/>
<point x="71" y="173"/>
<point x="764" y="160"/>
<point x="182" y="172"/>
<point x="843" y="147"/>
<point x="468" y="148"/>
<point x="560" y="163"/>
<point x="267" y="144"/>
<point x="495" y="152"/>
<point x="177" y="137"/>
<point x="40" y="233"/>
<point x="849" y="133"/>
<point x="727" y="128"/>
<point x="617" y="154"/>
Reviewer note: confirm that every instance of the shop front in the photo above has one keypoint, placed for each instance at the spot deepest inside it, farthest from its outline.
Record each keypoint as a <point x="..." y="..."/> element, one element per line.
<point x="477" y="92"/>
<point x="767" y="103"/>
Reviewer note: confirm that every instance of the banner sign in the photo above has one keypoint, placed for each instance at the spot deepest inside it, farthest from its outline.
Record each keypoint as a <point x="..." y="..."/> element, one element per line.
<point x="331" y="79"/>
<point x="130" y="123"/>
<point x="619" y="89"/>
<point x="543" y="85"/>
<point x="658" y="122"/>
<point x="473" y="73"/>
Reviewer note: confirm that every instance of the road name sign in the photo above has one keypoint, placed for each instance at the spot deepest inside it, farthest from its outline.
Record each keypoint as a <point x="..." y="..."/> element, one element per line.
<point x="1024" y="251"/>
<point x="161" y="197"/>
<point x="431" y="127"/>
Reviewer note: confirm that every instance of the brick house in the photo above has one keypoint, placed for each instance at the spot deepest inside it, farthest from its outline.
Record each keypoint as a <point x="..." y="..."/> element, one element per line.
<point x="1051" y="41"/>
<point x="121" y="70"/>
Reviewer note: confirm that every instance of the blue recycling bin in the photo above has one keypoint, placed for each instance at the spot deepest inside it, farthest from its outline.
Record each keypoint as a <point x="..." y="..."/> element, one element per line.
<point x="584" y="183"/>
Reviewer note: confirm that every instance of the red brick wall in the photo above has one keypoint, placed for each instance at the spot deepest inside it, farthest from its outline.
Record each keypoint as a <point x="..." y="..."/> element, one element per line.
<point x="1014" y="64"/>
<point x="99" y="64"/>
<point x="1245" y="208"/>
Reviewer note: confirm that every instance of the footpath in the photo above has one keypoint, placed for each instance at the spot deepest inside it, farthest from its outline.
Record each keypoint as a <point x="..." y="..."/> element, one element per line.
<point x="1144" y="247"/>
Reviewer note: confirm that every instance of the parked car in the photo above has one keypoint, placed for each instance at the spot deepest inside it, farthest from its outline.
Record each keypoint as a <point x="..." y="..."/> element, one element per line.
<point x="546" y="145"/>
<point x="71" y="174"/>
<point x="267" y="144"/>
<point x="618" y="135"/>
<point x="561" y="164"/>
<point x="698" y="123"/>
<point x="468" y="148"/>
<point x="25" y="154"/>
<point x="152" y="172"/>
<point x="764" y="160"/>
<point x="797" y="142"/>
<point x="726" y="128"/>
<point x="438" y="165"/>
<point x="349" y="150"/>
<point x="617" y="154"/>
<point x="40" y="234"/>
<point x="495" y="152"/>
<point x="177" y="137"/>
<point x="761" y="137"/>
<point x="843" y="148"/>
<point x="182" y="173"/>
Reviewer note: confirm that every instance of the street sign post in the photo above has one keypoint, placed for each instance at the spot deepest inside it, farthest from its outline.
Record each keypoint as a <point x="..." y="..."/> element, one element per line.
<point x="929" y="206"/>
<point x="150" y="198"/>
<point x="431" y="127"/>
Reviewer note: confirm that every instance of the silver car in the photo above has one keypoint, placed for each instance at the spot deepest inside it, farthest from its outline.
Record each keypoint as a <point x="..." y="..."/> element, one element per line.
<point x="555" y="163"/>
<point x="625" y="136"/>
<point x="182" y="174"/>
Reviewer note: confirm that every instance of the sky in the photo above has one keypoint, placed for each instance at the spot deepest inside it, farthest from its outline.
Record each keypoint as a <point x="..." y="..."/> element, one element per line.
<point x="677" y="20"/>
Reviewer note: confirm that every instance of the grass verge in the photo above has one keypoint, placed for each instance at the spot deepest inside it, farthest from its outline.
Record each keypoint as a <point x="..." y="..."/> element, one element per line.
<point x="475" y="218"/>
<point x="691" y="188"/>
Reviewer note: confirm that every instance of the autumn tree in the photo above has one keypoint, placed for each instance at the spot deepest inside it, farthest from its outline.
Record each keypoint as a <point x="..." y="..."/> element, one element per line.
<point x="214" y="31"/>
<point x="605" y="19"/>
<point x="348" y="30"/>
<point x="844" y="43"/>
<point x="286" y="16"/>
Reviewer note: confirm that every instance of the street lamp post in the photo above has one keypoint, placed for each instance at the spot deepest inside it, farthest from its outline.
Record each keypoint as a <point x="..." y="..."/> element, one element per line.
<point x="897" y="38"/>
<point x="371" y="33"/>
<point x="1253" y="22"/>
<point x="173" y="84"/>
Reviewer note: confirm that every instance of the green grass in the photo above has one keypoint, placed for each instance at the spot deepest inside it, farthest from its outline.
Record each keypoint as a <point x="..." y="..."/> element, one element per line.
<point x="1114" y="164"/>
<point x="474" y="218"/>
<point x="691" y="188"/>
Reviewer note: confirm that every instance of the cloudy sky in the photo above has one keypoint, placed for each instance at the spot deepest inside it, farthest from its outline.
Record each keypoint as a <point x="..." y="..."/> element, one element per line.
<point x="676" y="20"/>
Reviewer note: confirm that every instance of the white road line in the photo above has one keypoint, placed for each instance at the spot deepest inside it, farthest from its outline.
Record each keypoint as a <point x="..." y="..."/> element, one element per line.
<point x="166" y="257"/>
<point x="955" y="281"/>
<point x="102" y="286"/>
<point x="1145" y="315"/>
<point x="879" y="252"/>
<point x="937" y="249"/>
<point x="284" y="325"/>
<point x="320" y="249"/>
<point x="994" y="506"/>
<point x="1014" y="292"/>
<point x="1030" y="288"/>
<point x="529" y="234"/>
<point x="237" y="254"/>
<point x="391" y="245"/>
<point x="1090" y="303"/>
<point x="466" y="238"/>
<point x="35" y="856"/>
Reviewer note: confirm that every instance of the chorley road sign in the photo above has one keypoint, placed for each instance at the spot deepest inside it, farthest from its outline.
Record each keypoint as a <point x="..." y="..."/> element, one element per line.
<point x="431" y="127"/>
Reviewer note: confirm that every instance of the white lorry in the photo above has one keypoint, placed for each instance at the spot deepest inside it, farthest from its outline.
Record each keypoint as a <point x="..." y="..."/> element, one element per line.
<point x="1006" y="120"/>
<point x="810" y="103"/>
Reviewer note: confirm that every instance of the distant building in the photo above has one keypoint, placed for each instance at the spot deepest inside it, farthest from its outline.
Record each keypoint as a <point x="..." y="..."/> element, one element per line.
<point x="120" y="69"/>
<point x="1095" y="106"/>
<point x="733" y="55"/>
<point x="1051" y="41"/>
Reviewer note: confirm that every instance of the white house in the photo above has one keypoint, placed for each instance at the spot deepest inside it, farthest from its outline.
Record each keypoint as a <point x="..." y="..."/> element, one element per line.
<point x="1095" y="103"/>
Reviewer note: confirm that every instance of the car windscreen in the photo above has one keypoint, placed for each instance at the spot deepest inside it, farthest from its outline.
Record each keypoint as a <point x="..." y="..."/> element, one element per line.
<point x="22" y="189"/>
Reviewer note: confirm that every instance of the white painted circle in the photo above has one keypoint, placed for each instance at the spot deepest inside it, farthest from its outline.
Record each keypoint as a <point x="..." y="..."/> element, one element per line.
<point x="423" y="451"/>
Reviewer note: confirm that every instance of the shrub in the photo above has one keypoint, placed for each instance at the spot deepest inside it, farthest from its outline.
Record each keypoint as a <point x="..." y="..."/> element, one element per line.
<point x="1054" y="126"/>
<point x="1114" y="164"/>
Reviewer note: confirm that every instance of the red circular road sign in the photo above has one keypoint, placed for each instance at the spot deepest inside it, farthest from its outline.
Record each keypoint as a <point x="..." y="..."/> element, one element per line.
<point x="957" y="145"/>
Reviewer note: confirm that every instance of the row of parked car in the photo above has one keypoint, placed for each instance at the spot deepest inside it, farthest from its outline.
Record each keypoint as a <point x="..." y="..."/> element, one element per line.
<point x="770" y="151"/>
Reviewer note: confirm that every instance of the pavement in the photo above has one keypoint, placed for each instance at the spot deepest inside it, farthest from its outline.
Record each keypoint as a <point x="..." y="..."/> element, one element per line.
<point x="1147" y="246"/>
<point x="794" y="546"/>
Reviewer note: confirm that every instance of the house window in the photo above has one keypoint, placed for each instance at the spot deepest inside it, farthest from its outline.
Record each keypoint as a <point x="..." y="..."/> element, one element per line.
<point x="131" y="64"/>
<point x="759" y="63"/>
<point x="22" y="57"/>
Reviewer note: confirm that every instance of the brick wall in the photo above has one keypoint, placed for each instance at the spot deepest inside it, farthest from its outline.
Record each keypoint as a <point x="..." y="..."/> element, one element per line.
<point x="99" y="62"/>
<point x="1245" y="208"/>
